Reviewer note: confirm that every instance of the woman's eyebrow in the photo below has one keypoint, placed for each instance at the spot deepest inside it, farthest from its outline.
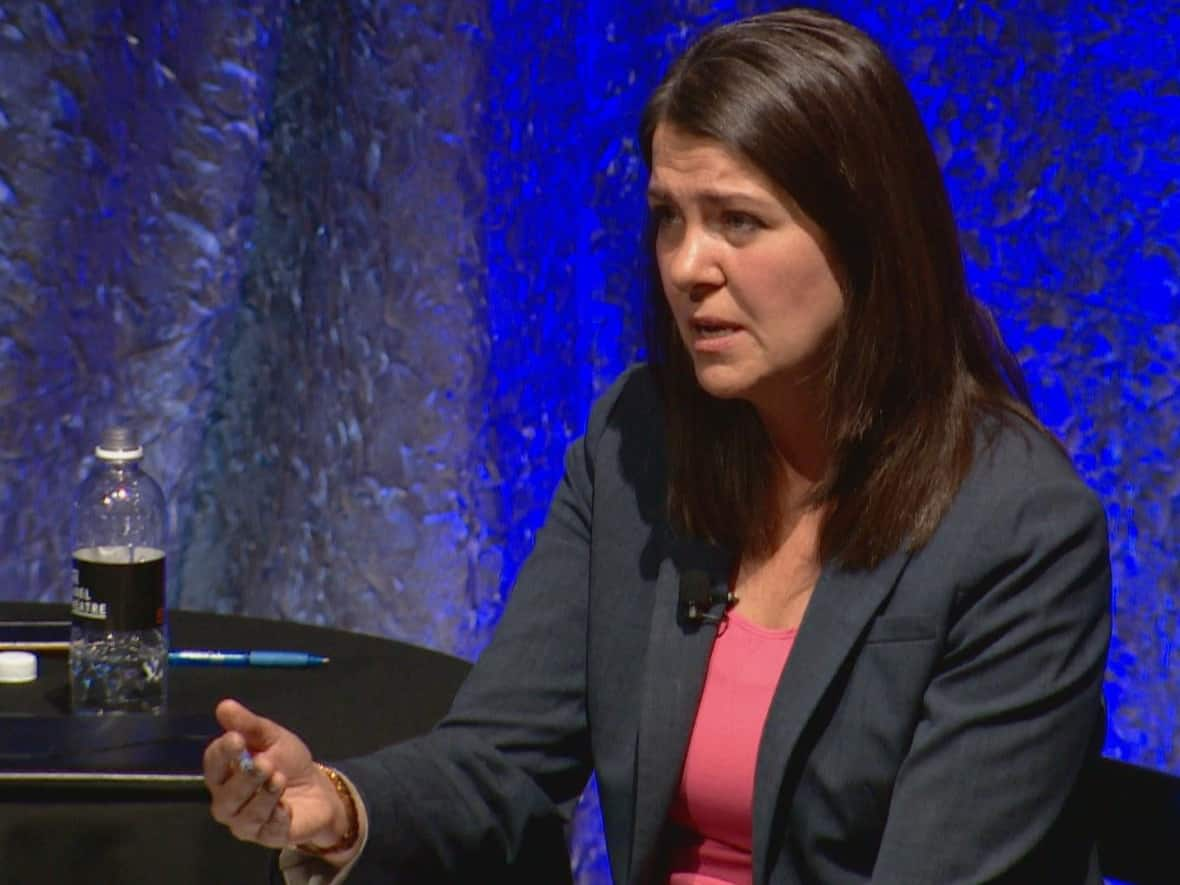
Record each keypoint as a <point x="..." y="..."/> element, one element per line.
<point x="708" y="195"/>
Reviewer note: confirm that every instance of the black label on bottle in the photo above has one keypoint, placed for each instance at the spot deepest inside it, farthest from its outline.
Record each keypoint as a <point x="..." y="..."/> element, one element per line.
<point x="119" y="595"/>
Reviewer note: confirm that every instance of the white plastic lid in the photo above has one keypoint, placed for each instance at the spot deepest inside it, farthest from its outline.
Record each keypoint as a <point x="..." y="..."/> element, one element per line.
<point x="118" y="444"/>
<point x="18" y="666"/>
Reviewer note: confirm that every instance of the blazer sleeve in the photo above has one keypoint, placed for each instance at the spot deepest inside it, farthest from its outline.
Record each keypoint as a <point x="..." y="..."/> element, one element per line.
<point x="485" y="796"/>
<point x="991" y="788"/>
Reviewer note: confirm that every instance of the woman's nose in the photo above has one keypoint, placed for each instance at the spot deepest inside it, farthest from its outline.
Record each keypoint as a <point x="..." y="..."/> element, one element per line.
<point x="692" y="264"/>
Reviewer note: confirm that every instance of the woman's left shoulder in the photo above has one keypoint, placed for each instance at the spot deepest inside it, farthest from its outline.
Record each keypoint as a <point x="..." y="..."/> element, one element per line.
<point x="1023" y="487"/>
<point x="1022" y="523"/>
<point x="1014" y="455"/>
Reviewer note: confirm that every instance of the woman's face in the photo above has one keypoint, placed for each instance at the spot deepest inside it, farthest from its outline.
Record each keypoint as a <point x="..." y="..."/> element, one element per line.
<point x="745" y="272"/>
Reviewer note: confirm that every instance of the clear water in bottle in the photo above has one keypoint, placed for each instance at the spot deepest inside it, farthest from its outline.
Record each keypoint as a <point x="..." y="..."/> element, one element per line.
<point x="118" y="639"/>
<point x="115" y="667"/>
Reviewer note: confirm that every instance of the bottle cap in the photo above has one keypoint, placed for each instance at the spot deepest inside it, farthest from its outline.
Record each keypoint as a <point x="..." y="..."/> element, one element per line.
<point x="118" y="444"/>
<point x="18" y="666"/>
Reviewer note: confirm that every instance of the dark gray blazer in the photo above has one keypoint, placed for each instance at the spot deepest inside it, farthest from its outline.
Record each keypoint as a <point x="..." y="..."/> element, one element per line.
<point x="932" y="725"/>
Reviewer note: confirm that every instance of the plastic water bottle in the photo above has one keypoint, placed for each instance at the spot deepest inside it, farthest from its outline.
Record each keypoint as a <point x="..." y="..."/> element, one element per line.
<point x="118" y="637"/>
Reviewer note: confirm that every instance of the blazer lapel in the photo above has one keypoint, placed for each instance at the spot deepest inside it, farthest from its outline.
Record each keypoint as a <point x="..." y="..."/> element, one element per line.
<point x="674" y="672"/>
<point x="836" y="617"/>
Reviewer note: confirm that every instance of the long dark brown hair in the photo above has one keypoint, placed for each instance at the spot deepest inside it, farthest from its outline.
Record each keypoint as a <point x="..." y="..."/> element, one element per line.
<point x="815" y="104"/>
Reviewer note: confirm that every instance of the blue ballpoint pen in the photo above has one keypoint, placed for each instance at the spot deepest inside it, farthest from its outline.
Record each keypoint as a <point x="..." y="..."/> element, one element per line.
<point x="195" y="657"/>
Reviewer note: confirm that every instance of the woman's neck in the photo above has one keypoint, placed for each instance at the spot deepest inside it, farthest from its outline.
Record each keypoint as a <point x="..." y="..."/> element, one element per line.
<point x="797" y="433"/>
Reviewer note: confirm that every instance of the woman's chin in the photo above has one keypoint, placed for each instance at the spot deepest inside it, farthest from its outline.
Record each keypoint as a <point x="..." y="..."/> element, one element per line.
<point x="722" y="384"/>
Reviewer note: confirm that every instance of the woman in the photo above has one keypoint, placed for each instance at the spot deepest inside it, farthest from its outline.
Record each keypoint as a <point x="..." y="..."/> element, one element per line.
<point x="817" y="599"/>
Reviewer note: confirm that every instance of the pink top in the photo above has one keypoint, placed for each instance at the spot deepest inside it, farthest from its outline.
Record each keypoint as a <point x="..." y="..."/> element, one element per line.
<point x="713" y="809"/>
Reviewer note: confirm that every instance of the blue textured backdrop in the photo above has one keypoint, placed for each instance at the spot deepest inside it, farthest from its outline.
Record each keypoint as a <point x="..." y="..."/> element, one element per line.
<point x="358" y="268"/>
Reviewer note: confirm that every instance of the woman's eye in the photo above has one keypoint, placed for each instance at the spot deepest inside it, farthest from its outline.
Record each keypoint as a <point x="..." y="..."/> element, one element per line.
<point x="741" y="222"/>
<point x="662" y="215"/>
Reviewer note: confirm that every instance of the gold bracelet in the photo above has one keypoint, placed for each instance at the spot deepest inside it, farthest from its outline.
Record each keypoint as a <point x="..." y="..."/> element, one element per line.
<point x="349" y="838"/>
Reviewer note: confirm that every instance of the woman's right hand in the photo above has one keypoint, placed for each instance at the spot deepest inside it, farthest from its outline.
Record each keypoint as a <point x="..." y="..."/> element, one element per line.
<point x="280" y="797"/>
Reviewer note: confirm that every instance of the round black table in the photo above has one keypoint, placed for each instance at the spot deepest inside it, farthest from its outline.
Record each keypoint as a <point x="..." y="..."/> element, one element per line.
<point x="119" y="799"/>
